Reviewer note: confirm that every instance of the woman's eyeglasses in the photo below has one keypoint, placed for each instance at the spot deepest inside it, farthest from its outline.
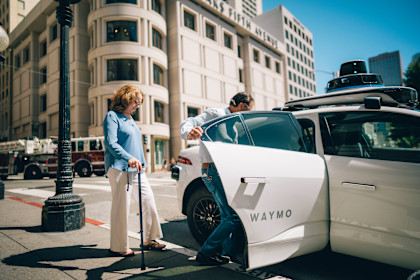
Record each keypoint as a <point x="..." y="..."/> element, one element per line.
<point x="137" y="103"/>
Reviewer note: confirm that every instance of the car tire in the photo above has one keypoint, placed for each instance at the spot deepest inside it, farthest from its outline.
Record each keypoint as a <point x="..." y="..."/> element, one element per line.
<point x="32" y="172"/>
<point x="83" y="169"/>
<point x="203" y="214"/>
<point x="99" y="173"/>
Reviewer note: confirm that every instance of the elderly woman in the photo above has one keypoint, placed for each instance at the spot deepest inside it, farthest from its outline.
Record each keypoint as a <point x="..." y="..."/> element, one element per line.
<point x="124" y="158"/>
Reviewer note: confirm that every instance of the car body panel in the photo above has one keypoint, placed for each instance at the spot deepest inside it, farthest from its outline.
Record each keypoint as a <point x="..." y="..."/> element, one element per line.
<point x="374" y="204"/>
<point x="280" y="196"/>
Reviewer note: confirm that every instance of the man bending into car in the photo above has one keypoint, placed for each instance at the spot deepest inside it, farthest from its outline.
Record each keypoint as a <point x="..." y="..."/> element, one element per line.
<point x="218" y="243"/>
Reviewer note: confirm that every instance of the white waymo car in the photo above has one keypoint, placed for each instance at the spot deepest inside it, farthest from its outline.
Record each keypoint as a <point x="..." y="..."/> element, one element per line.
<point x="340" y="170"/>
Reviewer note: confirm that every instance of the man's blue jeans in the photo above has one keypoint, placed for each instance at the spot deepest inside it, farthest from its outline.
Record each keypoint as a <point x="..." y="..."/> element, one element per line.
<point x="220" y="241"/>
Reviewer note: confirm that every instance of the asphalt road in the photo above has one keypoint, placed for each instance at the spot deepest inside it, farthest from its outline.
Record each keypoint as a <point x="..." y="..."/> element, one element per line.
<point x="96" y="195"/>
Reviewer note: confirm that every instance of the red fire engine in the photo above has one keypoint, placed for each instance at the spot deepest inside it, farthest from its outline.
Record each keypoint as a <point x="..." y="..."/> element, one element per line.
<point x="26" y="155"/>
<point x="87" y="157"/>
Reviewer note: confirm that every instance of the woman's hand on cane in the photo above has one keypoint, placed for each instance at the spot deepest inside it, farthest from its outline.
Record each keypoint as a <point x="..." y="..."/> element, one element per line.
<point x="135" y="163"/>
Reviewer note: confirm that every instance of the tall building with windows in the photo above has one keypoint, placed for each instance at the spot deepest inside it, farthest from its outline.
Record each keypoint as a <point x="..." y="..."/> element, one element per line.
<point x="389" y="66"/>
<point x="299" y="55"/>
<point x="12" y="12"/>
<point x="185" y="55"/>
<point x="250" y="8"/>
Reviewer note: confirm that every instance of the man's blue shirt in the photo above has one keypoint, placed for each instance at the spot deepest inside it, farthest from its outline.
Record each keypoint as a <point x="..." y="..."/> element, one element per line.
<point x="122" y="142"/>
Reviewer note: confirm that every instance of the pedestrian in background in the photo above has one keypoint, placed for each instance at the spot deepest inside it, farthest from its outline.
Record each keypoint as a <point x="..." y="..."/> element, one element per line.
<point x="124" y="159"/>
<point x="219" y="242"/>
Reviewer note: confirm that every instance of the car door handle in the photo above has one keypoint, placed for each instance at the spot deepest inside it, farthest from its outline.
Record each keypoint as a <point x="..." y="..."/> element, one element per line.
<point x="259" y="180"/>
<point x="362" y="187"/>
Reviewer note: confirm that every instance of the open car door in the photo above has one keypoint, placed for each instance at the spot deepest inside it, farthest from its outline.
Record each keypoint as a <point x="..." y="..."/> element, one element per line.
<point x="280" y="196"/>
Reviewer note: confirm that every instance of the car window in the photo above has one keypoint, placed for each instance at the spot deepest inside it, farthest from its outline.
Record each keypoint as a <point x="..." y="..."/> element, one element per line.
<point x="375" y="135"/>
<point x="308" y="132"/>
<point x="274" y="131"/>
<point x="228" y="130"/>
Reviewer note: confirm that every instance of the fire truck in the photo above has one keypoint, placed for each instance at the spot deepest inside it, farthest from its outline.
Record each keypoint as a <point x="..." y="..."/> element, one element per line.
<point x="87" y="157"/>
<point x="29" y="156"/>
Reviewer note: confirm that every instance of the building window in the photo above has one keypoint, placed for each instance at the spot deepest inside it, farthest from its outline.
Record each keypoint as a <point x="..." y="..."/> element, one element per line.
<point x="277" y="67"/>
<point x="43" y="48"/>
<point x="159" y="113"/>
<point x="210" y="31"/>
<point x="239" y="51"/>
<point x="192" y="112"/>
<point x="241" y="74"/>
<point x="43" y="103"/>
<point x="267" y="62"/>
<point x="20" y="17"/>
<point x="42" y="130"/>
<point x="157" y="6"/>
<point x="43" y="76"/>
<point x="92" y="113"/>
<point x="122" y="69"/>
<point x="21" y="4"/>
<point x="189" y="20"/>
<point x="53" y="32"/>
<point x="157" y="75"/>
<point x="227" y="40"/>
<point x="157" y="39"/>
<point x="17" y="61"/>
<point x="26" y="55"/>
<point x="121" y="30"/>
<point x="256" y="56"/>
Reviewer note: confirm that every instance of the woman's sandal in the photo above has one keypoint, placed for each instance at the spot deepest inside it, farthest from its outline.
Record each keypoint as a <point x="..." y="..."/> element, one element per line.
<point x="117" y="254"/>
<point x="154" y="245"/>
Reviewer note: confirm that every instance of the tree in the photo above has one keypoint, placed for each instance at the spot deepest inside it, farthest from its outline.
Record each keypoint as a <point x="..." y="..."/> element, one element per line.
<point x="413" y="74"/>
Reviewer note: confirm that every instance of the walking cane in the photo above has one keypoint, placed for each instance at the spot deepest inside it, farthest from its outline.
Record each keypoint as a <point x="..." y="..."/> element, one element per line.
<point x="143" y="267"/>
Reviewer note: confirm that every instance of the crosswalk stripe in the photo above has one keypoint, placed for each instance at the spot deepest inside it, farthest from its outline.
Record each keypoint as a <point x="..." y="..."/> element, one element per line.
<point x="33" y="192"/>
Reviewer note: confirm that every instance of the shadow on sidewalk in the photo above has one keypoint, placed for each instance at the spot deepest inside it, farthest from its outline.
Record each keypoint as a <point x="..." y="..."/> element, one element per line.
<point x="127" y="268"/>
<point x="27" y="229"/>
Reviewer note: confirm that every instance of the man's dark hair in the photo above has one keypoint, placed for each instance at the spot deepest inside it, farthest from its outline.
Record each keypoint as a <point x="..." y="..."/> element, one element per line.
<point x="241" y="97"/>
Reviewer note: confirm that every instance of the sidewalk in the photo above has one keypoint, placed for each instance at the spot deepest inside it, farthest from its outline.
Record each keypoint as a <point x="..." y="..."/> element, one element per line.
<point x="27" y="252"/>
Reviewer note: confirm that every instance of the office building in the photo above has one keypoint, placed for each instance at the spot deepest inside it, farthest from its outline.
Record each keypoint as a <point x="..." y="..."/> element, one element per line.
<point x="12" y="12"/>
<point x="389" y="66"/>
<point x="185" y="55"/>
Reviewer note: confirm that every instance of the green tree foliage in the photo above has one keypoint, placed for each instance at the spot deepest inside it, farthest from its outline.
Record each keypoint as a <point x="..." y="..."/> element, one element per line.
<point x="413" y="74"/>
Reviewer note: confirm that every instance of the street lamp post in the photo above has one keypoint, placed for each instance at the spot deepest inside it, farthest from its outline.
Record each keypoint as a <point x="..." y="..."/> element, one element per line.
<point x="65" y="210"/>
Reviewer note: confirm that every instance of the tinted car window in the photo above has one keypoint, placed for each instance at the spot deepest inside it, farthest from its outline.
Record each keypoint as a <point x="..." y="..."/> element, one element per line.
<point x="376" y="135"/>
<point x="308" y="132"/>
<point x="95" y="145"/>
<point x="274" y="131"/>
<point x="229" y="130"/>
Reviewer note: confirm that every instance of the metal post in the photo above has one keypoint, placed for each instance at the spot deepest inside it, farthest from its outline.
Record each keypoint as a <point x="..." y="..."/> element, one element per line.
<point x="65" y="210"/>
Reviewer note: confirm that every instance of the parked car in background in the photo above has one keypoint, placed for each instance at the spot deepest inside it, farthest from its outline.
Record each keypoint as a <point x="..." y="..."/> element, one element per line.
<point x="340" y="170"/>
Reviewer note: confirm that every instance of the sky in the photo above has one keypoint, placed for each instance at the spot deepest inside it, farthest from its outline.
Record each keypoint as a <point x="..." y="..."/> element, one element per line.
<point x="345" y="30"/>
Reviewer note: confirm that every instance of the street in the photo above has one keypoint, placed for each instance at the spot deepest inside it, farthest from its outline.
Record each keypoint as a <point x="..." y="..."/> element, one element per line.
<point x="96" y="195"/>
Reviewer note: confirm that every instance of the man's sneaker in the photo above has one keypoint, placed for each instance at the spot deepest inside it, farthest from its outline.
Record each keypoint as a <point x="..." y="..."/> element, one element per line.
<point x="214" y="260"/>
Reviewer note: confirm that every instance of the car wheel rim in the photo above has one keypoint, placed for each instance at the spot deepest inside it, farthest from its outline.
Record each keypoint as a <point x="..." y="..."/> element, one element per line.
<point x="206" y="216"/>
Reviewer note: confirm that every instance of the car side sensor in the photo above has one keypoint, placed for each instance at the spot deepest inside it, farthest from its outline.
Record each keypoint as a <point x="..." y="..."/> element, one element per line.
<point x="373" y="102"/>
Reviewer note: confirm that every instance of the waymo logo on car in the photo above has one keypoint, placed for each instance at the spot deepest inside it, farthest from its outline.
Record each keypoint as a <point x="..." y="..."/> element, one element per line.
<point x="271" y="215"/>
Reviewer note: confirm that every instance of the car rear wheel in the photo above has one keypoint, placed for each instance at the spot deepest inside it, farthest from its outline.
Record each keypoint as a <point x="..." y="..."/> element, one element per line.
<point x="203" y="214"/>
<point x="83" y="169"/>
<point x="32" y="172"/>
<point x="99" y="173"/>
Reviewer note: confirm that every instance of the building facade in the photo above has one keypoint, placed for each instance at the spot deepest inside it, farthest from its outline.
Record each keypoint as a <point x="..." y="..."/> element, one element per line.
<point x="299" y="55"/>
<point x="12" y="12"/>
<point x="185" y="55"/>
<point x="389" y="66"/>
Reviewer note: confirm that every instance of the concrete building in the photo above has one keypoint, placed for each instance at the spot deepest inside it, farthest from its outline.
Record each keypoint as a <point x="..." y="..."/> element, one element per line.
<point x="389" y="66"/>
<point x="185" y="55"/>
<point x="298" y="41"/>
<point x="12" y="12"/>
<point x="250" y="8"/>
